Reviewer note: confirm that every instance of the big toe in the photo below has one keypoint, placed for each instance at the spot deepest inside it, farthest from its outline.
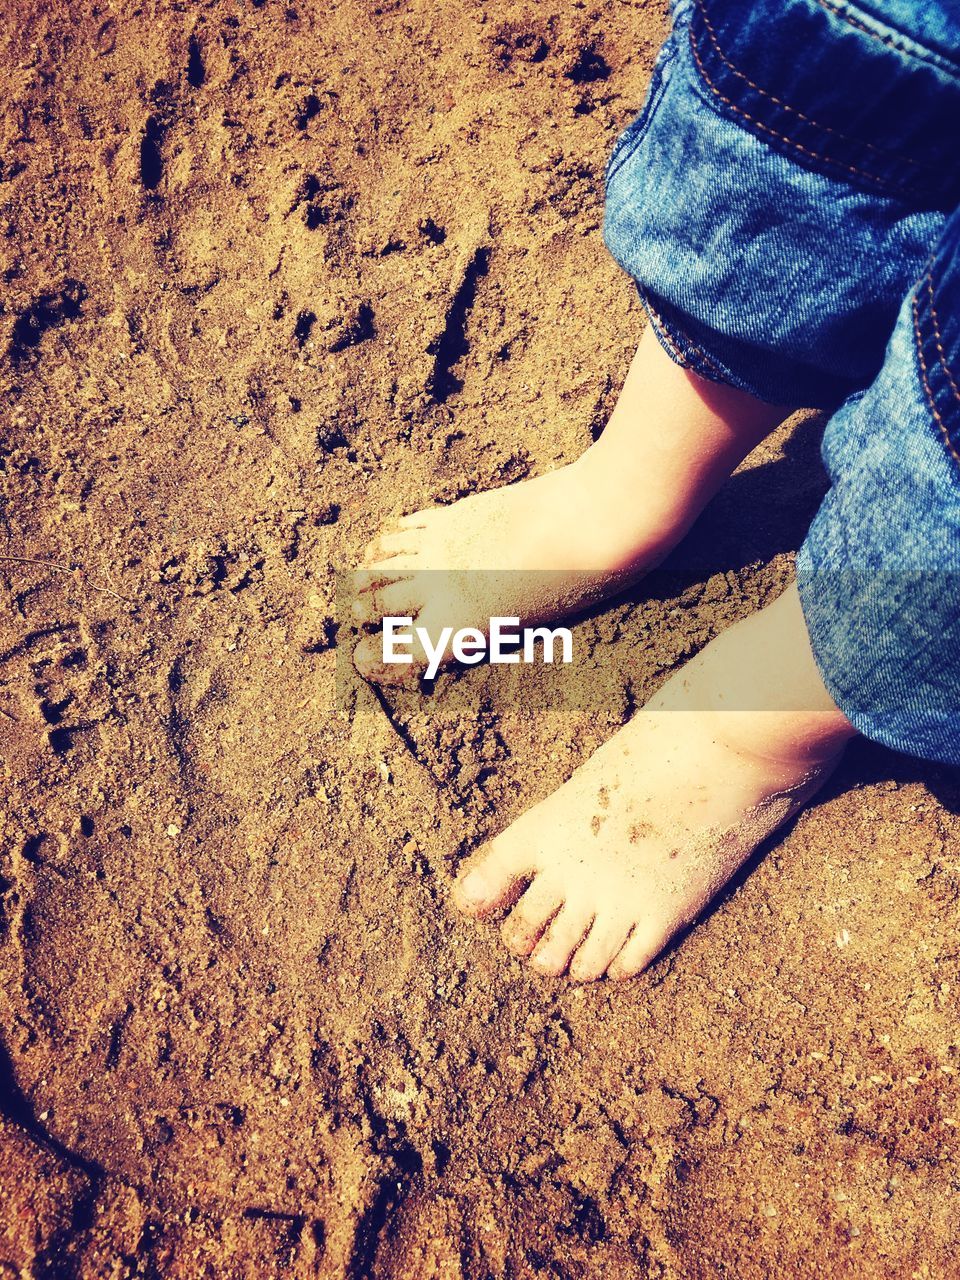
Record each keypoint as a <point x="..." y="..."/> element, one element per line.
<point x="492" y="879"/>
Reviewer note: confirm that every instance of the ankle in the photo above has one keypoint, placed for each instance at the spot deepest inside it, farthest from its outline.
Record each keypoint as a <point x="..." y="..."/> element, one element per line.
<point x="797" y="743"/>
<point x="762" y="694"/>
<point x="656" y="501"/>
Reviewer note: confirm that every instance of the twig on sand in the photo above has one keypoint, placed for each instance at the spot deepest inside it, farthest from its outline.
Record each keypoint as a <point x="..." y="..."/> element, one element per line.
<point x="65" y="568"/>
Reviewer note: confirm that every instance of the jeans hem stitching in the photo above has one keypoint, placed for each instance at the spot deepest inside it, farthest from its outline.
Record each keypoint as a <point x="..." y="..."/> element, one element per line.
<point x="925" y="377"/>
<point x="689" y="356"/>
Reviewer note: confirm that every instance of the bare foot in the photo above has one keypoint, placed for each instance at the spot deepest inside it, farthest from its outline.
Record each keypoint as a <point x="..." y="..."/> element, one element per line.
<point x="547" y="547"/>
<point x="632" y="848"/>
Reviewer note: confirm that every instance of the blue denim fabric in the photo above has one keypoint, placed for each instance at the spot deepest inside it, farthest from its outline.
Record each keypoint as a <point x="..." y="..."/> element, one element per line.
<point x="879" y="570"/>
<point x="779" y="277"/>
<point x="787" y="203"/>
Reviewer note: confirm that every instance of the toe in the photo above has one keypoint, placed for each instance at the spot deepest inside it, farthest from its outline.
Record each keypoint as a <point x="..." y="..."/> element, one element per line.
<point x="397" y="542"/>
<point x="391" y="542"/>
<point x="397" y="598"/>
<point x="561" y="939"/>
<point x="493" y="877"/>
<point x="598" y="949"/>
<point x="416" y="520"/>
<point x="640" y="950"/>
<point x="394" y="562"/>
<point x="526" y="922"/>
<point x="393" y="551"/>
<point x="365" y="603"/>
<point x="368" y="658"/>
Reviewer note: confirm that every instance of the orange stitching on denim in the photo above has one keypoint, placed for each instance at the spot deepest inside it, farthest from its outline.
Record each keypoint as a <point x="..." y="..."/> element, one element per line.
<point x="926" y="386"/>
<point x="758" y="124"/>
<point x="661" y="331"/>
<point x="682" y="356"/>
<point x="901" y="46"/>
<point x="938" y="337"/>
<point x="860" y="142"/>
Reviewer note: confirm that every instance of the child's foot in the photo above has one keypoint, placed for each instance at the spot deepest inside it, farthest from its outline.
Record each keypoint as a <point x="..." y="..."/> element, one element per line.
<point x="633" y="847"/>
<point x="549" y="546"/>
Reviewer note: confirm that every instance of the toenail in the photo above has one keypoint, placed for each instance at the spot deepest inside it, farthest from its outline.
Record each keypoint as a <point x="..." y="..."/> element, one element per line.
<point x="622" y="972"/>
<point x="472" y="887"/>
<point x="519" y="942"/>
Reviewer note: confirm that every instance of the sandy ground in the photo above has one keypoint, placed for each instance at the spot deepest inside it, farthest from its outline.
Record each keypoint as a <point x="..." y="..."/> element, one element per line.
<point x="270" y="273"/>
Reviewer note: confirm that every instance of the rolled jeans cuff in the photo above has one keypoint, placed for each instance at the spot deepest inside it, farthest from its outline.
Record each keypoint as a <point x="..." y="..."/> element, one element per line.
<point x="879" y="570"/>
<point x="774" y="276"/>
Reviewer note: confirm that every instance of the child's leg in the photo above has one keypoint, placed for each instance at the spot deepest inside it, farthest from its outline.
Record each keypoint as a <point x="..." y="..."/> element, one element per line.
<point x="671" y="441"/>
<point x="644" y="834"/>
<point x="649" y="829"/>
<point x="772" y="244"/>
<point x="774" y="249"/>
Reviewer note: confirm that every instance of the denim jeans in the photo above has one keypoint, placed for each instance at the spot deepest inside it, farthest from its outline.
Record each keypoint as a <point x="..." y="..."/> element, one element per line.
<point x="788" y="201"/>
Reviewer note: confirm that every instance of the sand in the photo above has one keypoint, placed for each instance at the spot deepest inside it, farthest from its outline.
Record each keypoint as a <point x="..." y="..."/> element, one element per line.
<point x="272" y="272"/>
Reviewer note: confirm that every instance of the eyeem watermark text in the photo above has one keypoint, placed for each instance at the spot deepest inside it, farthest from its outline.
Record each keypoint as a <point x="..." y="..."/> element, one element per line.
<point x="505" y="643"/>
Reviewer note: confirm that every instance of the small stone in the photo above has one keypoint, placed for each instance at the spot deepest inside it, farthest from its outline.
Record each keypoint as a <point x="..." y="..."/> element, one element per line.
<point x="173" y="830"/>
